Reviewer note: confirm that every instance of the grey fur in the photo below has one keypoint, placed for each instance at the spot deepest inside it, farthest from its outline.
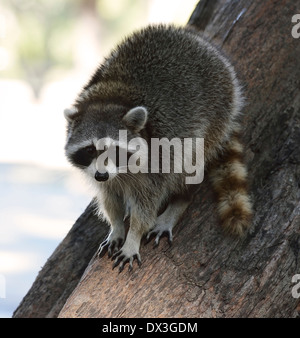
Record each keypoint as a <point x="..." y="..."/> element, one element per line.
<point x="188" y="88"/>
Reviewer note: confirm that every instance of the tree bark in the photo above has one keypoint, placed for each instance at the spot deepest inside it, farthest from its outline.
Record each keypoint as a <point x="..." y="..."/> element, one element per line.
<point x="205" y="273"/>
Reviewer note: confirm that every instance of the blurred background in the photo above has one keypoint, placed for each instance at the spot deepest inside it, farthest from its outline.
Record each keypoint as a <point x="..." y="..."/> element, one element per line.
<point x="48" y="50"/>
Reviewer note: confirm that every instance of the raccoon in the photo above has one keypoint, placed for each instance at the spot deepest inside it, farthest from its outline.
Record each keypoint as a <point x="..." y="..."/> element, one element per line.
<point x="161" y="82"/>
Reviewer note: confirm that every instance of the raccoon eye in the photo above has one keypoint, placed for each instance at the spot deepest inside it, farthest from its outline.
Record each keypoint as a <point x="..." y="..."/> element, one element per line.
<point x="117" y="156"/>
<point x="84" y="156"/>
<point x="90" y="150"/>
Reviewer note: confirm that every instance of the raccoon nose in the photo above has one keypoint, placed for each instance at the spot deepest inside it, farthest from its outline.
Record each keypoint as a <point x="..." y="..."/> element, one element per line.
<point x="100" y="177"/>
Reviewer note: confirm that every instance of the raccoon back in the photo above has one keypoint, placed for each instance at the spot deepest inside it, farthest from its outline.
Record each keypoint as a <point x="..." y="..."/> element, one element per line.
<point x="180" y="78"/>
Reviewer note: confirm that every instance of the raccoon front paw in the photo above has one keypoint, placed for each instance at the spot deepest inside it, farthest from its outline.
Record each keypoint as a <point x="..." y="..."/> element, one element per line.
<point x="124" y="256"/>
<point x="112" y="244"/>
<point x="160" y="229"/>
<point x="109" y="246"/>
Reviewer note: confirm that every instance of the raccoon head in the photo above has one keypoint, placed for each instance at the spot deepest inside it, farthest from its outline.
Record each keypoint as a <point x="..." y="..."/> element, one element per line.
<point x="98" y="136"/>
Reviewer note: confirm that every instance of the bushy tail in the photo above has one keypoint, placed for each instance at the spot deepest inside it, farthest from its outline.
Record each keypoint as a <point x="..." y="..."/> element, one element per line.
<point x="229" y="179"/>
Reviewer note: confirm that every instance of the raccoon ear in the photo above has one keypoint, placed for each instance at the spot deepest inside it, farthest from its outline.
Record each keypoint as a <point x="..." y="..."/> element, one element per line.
<point x="70" y="113"/>
<point x="136" y="119"/>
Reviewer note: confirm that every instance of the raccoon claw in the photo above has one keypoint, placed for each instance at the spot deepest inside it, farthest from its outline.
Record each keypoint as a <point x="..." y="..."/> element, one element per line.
<point x="109" y="246"/>
<point x="102" y="248"/>
<point x="114" y="246"/>
<point x="159" y="231"/>
<point x="121" y="259"/>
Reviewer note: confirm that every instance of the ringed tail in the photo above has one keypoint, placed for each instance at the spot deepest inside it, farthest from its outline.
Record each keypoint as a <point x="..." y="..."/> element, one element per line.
<point x="229" y="179"/>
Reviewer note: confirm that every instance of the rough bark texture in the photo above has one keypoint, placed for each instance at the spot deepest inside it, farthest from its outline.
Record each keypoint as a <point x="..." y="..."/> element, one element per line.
<point x="205" y="273"/>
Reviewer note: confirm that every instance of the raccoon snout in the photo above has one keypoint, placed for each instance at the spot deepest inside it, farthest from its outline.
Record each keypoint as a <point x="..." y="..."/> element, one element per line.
<point x="101" y="177"/>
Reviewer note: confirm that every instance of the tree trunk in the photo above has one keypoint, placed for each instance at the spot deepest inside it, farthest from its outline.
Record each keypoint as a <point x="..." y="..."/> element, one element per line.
<point x="205" y="273"/>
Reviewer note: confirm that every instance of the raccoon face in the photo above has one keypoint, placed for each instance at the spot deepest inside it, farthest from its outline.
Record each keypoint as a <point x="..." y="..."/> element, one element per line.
<point x="94" y="144"/>
<point x="87" y="159"/>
